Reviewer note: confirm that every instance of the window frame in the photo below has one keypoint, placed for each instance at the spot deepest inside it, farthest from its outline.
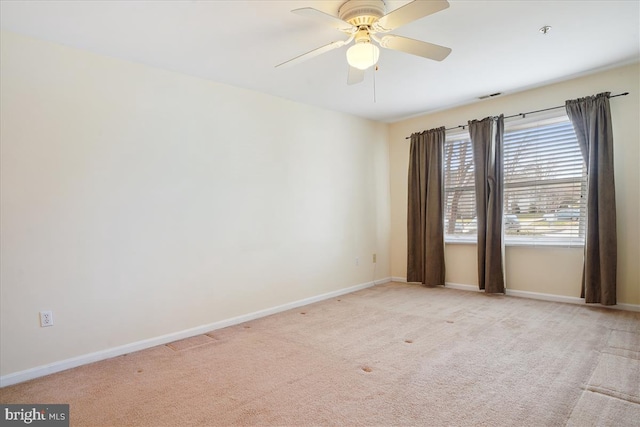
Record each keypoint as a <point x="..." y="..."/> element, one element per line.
<point x="457" y="135"/>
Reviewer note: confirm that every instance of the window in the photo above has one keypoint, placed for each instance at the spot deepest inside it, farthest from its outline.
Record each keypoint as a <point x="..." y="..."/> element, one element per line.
<point x="459" y="189"/>
<point x="544" y="185"/>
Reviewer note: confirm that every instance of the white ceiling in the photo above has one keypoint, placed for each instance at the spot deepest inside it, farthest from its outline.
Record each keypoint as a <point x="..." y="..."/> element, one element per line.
<point x="496" y="46"/>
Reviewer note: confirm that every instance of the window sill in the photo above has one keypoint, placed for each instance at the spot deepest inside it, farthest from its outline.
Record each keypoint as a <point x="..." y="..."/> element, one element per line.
<point x="521" y="243"/>
<point x="460" y="242"/>
<point x="542" y="244"/>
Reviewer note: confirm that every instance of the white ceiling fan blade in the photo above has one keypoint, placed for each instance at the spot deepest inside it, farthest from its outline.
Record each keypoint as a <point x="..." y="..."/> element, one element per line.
<point x="355" y="76"/>
<point x="414" y="47"/>
<point x="312" y="54"/>
<point x="408" y="13"/>
<point x="325" y="18"/>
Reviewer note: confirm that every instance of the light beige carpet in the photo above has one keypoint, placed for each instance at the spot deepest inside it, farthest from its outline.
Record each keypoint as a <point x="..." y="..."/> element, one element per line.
<point x="394" y="354"/>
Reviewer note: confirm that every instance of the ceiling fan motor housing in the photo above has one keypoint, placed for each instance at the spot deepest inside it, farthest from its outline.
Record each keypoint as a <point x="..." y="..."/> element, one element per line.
<point x="362" y="12"/>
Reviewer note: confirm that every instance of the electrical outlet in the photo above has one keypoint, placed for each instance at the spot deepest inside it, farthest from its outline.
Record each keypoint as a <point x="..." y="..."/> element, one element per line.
<point x="357" y="261"/>
<point x="46" y="318"/>
<point x="374" y="258"/>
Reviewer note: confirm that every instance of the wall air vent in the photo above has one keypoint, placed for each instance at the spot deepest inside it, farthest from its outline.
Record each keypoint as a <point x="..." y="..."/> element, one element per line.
<point x="490" y="96"/>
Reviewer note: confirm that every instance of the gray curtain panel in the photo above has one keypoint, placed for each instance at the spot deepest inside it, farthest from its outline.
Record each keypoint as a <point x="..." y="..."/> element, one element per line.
<point x="591" y="118"/>
<point x="487" y="137"/>
<point x="425" y="211"/>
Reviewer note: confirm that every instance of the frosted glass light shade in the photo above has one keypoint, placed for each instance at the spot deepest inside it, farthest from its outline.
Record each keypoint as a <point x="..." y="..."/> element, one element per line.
<point x="363" y="55"/>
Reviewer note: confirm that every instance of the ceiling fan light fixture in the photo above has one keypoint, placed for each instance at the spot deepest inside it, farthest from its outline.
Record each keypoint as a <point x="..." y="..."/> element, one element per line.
<point x="363" y="55"/>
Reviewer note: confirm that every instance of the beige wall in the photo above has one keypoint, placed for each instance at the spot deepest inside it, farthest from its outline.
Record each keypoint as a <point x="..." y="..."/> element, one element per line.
<point x="138" y="202"/>
<point x="545" y="269"/>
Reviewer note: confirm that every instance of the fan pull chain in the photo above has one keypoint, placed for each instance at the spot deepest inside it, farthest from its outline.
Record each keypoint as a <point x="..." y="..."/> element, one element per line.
<point x="374" y="83"/>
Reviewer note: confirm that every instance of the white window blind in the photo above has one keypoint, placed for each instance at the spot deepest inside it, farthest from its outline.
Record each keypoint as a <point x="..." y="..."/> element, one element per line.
<point x="544" y="185"/>
<point x="460" y="196"/>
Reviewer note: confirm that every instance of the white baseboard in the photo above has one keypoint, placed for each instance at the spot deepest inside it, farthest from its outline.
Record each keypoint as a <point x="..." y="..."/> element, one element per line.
<point x="472" y="288"/>
<point x="544" y="297"/>
<point x="383" y="280"/>
<point x="570" y="300"/>
<point x="73" y="362"/>
<point x="536" y="295"/>
<point x="625" y="307"/>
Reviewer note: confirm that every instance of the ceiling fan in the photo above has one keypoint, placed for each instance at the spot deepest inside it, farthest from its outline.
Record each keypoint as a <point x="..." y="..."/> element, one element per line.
<point x="363" y="20"/>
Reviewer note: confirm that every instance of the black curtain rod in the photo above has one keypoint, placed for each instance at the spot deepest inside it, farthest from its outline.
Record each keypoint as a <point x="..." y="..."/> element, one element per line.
<point x="530" y="112"/>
